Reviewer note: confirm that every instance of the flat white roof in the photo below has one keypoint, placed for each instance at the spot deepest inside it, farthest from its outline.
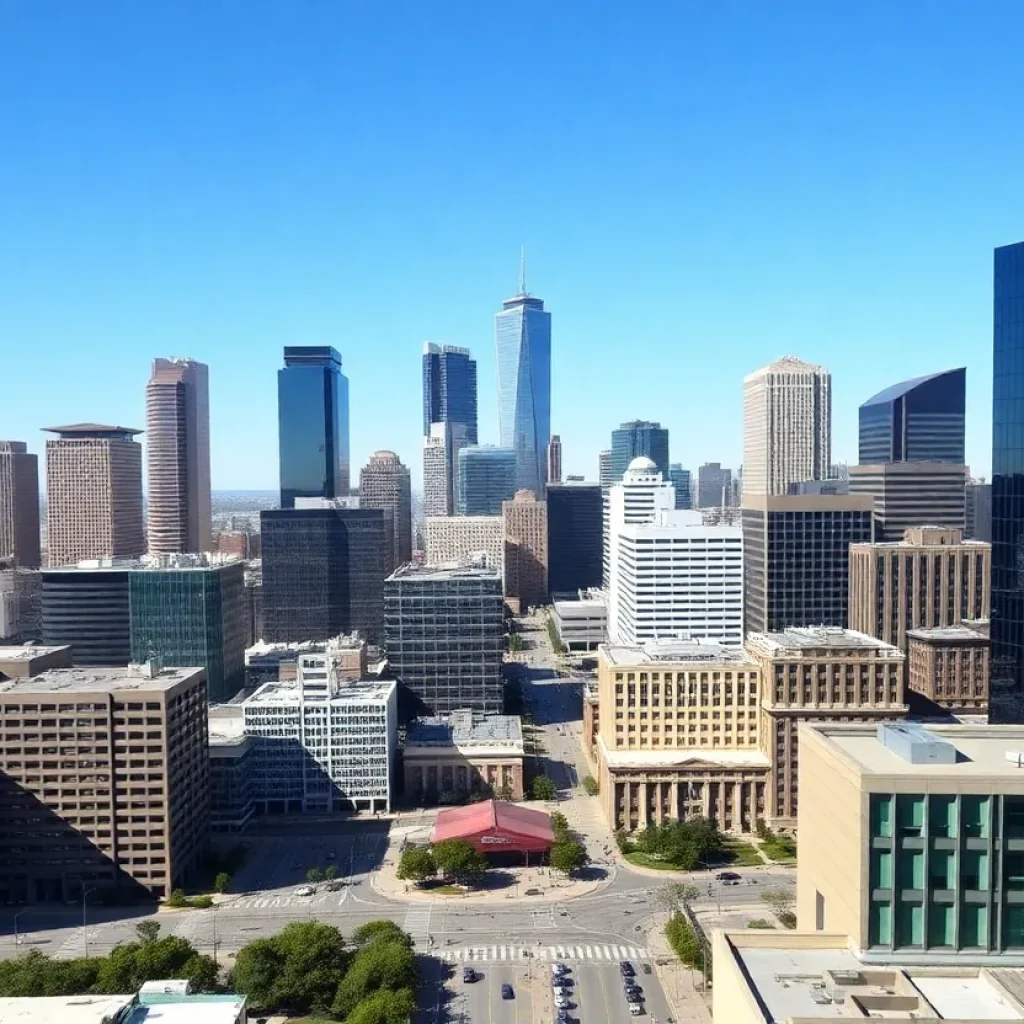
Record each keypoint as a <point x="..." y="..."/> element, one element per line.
<point x="682" y="756"/>
<point x="656" y="654"/>
<point x="359" y="692"/>
<point x="786" y="997"/>
<point x="967" y="998"/>
<point x="62" y="1009"/>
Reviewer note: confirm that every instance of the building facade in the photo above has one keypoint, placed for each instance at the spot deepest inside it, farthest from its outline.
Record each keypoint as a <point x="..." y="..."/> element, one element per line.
<point x="93" y="493"/>
<point x="978" y="510"/>
<point x="604" y="469"/>
<point x="19" y="505"/>
<point x="178" y="457"/>
<point x="637" y="498"/>
<point x="449" y="388"/>
<point x="582" y="623"/>
<point x="487" y="477"/>
<point x="910" y="494"/>
<point x="797" y="558"/>
<point x="323" y="573"/>
<point x="787" y="426"/>
<point x="677" y="735"/>
<point x="452" y="540"/>
<point x="575" y="537"/>
<point x="949" y="666"/>
<point x="384" y="483"/>
<point x="680" y="480"/>
<point x="137" y="827"/>
<point x="714" y="486"/>
<point x="444" y="634"/>
<point x="313" y="432"/>
<point x="554" y="460"/>
<point x="523" y="350"/>
<point x="526" y="550"/>
<point x="232" y="765"/>
<point x="437" y="473"/>
<point x="931" y="578"/>
<point x="818" y="675"/>
<point x="920" y="420"/>
<point x="88" y="610"/>
<point x="635" y="439"/>
<point x="447" y="759"/>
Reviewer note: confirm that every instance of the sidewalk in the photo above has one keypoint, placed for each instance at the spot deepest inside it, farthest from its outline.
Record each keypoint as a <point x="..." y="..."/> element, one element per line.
<point x="677" y="980"/>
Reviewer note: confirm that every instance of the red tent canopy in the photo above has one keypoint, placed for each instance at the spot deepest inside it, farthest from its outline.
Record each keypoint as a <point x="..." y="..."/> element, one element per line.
<point x="494" y="826"/>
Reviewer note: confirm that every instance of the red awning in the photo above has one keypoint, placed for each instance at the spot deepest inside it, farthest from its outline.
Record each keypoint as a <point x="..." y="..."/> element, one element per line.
<point x="493" y="826"/>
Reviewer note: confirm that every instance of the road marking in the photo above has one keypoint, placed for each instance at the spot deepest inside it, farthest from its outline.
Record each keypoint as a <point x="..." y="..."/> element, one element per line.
<point x="543" y="954"/>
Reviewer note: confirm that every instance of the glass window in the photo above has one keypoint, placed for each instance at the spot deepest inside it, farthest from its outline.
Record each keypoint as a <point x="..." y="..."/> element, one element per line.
<point x="881" y="869"/>
<point x="1013" y="870"/>
<point x="881" y="815"/>
<point x="973" y="926"/>
<point x="975" y="816"/>
<point x="1013" y="926"/>
<point x="974" y="870"/>
<point x="1013" y="816"/>
<point x="942" y="816"/>
<point x="909" y="924"/>
<point x="880" y="924"/>
<point x="940" y="924"/>
<point x="911" y="869"/>
<point x="940" y="869"/>
<point x="910" y="813"/>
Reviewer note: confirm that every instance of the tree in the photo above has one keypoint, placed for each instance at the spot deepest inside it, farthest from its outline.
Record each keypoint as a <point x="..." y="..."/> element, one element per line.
<point x="416" y="864"/>
<point x="314" y="875"/>
<point x="590" y="785"/>
<point x="36" y="974"/>
<point x="568" y="856"/>
<point x="458" y="859"/>
<point x="559" y="825"/>
<point x="380" y="965"/>
<point x="148" y="930"/>
<point x="779" y="900"/>
<point x="222" y="882"/>
<point x="177" y="898"/>
<point x="131" y="964"/>
<point x="543" y="788"/>
<point x="385" y="1007"/>
<point x="505" y="792"/>
<point x="684" y="940"/>
<point x="330" y="872"/>
<point x="670" y="896"/>
<point x="380" y="931"/>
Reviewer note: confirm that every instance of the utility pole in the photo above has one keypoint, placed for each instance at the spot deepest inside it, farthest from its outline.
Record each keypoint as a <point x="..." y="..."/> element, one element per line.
<point x="85" y="930"/>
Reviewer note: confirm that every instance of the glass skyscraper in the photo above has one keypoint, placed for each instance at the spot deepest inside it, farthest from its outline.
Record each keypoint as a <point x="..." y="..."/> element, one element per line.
<point x="683" y="484"/>
<point x="449" y="388"/>
<point x="636" y="438"/>
<point x="487" y="477"/>
<point x="575" y="525"/>
<point x="523" y="343"/>
<point x="1006" y="699"/>
<point x="312" y="411"/>
<point x="919" y="420"/>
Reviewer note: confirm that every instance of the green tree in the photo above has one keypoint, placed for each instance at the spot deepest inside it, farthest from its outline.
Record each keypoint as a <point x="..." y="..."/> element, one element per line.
<point x="568" y="856"/>
<point x="148" y="930"/>
<point x="559" y="825"/>
<point x="684" y="940"/>
<point x="131" y="964"/>
<point x="298" y="970"/>
<point x="330" y="872"/>
<point x="515" y="643"/>
<point x="590" y="785"/>
<point x="380" y="931"/>
<point x="314" y="875"/>
<point x="416" y="864"/>
<point x="458" y="859"/>
<point x="177" y="898"/>
<point x="35" y="974"/>
<point x="543" y="788"/>
<point x="380" y="965"/>
<point x="385" y="1007"/>
<point x="504" y="792"/>
<point x="222" y="882"/>
<point x="670" y="896"/>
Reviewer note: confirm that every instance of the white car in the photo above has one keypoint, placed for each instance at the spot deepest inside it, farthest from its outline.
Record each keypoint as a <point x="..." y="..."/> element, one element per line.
<point x="305" y="890"/>
<point x="561" y="1002"/>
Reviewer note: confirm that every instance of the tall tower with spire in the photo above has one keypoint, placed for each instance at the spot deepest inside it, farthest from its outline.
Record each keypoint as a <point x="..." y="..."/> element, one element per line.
<point x="522" y="332"/>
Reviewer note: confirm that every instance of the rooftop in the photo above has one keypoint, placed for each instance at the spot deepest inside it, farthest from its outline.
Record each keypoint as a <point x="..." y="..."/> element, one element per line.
<point x="291" y="651"/>
<point x="455" y="822"/>
<point x="26" y="652"/>
<point x="98" y="680"/>
<point x="677" y="652"/>
<point x="62" y="1009"/>
<point x="226" y="724"/>
<point x="584" y="608"/>
<point x="287" y="693"/>
<point x="951" y="633"/>
<point x="985" y="751"/>
<point x="92" y="430"/>
<point x="151" y="563"/>
<point x="682" y="756"/>
<point x="428" y="573"/>
<point x="797" y="639"/>
<point x="895" y="391"/>
<point x="467" y="729"/>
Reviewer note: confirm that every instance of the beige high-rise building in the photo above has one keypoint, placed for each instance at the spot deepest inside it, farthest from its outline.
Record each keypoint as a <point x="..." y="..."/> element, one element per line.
<point x="93" y="493"/>
<point x="454" y="539"/>
<point x="787" y="426"/>
<point x="818" y="675"/>
<point x="19" y="504"/>
<point x="933" y="577"/>
<point x="384" y="483"/>
<point x="677" y="735"/>
<point x="437" y="482"/>
<point x="118" y="797"/>
<point x="526" y="549"/>
<point x="178" y="457"/>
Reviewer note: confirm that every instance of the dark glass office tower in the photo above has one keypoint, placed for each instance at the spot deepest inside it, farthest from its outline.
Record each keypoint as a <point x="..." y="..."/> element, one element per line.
<point x="1006" y="697"/>
<point x="449" y="388"/>
<point x="323" y="573"/>
<point x="682" y="482"/>
<point x="444" y="632"/>
<point x="635" y="438"/>
<point x="312" y="411"/>
<point x="919" y="420"/>
<point x="575" y="522"/>
<point x="88" y="609"/>
<point x="487" y="477"/>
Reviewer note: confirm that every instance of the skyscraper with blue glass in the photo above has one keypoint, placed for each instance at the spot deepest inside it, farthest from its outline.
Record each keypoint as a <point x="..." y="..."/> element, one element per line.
<point x="1006" y="697"/>
<point x="312" y="412"/>
<point x="523" y="344"/>
<point x="449" y="388"/>
<point x="636" y="438"/>
<point x="487" y="477"/>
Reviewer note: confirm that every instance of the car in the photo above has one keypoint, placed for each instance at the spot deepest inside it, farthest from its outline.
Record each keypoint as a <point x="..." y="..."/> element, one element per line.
<point x="305" y="890"/>
<point x="559" y="968"/>
<point x="336" y="885"/>
<point x="626" y="968"/>
<point x="561" y="993"/>
<point x="635" y="1009"/>
<point x="561" y="1003"/>
<point x="633" y="993"/>
<point x="647" y="968"/>
<point x="529" y="892"/>
<point x="729" y="877"/>
<point x="468" y="974"/>
<point x="506" y="992"/>
<point x="563" y="1017"/>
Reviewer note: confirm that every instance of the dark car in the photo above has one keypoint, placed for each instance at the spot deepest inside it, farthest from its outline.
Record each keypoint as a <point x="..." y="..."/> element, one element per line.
<point x="627" y="968"/>
<point x="506" y="992"/>
<point x="468" y="974"/>
<point x="633" y="992"/>
<point x="729" y="877"/>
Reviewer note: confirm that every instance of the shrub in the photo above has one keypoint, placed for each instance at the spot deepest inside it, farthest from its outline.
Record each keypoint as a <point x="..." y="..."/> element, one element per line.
<point x="590" y="785"/>
<point x="685" y="941"/>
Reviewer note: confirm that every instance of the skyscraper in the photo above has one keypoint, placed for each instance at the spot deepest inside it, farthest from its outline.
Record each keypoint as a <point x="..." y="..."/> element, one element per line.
<point x="639" y="438"/>
<point x="1006" y="700"/>
<point x="919" y="420"/>
<point x="555" y="460"/>
<point x="681" y="481"/>
<point x="93" y="493"/>
<point x="526" y="549"/>
<point x="574" y="537"/>
<point x="714" y="486"/>
<point x="523" y="350"/>
<point x="910" y="494"/>
<point x="178" y="457"/>
<point x="787" y="426"/>
<point x="978" y="510"/>
<point x="19" y="505"/>
<point x="312" y="410"/>
<point x="604" y="469"/>
<point x="437" y="473"/>
<point x="449" y="388"/>
<point x="384" y="483"/>
<point x="487" y="477"/>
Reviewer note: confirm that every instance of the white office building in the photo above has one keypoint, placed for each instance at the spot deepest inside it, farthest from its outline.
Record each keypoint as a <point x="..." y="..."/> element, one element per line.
<point x="636" y="498"/>
<point x="676" y="578"/>
<point x="323" y="744"/>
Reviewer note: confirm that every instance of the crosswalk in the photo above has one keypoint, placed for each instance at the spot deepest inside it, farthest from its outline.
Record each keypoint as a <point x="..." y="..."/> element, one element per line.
<point x="417" y="923"/>
<point x="592" y="953"/>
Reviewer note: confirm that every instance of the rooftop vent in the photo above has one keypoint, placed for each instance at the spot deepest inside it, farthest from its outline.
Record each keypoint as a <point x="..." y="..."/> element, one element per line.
<point x="915" y="744"/>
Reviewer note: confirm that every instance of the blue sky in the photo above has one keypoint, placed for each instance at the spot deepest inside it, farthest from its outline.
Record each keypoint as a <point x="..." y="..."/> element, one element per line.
<point x="702" y="187"/>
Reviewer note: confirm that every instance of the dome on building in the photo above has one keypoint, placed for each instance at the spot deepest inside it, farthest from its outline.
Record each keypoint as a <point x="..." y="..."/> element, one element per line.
<point x="642" y="464"/>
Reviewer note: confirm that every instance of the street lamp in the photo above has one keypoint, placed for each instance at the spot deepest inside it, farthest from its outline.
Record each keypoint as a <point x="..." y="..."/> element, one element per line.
<point x="85" y="932"/>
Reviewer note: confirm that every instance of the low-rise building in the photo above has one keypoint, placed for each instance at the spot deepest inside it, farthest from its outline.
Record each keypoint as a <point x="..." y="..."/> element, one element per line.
<point x="279" y="662"/>
<point x="819" y="674"/>
<point x="450" y="757"/>
<point x="582" y="624"/>
<point x="678" y="735"/>
<point x="950" y="667"/>
<point x="912" y="841"/>
<point x="104" y="782"/>
<point x="232" y="796"/>
<point x="31" y="659"/>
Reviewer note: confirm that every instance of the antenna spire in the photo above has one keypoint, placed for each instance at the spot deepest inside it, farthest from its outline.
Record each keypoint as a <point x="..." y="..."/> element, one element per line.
<point x="522" y="270"/>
